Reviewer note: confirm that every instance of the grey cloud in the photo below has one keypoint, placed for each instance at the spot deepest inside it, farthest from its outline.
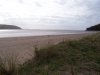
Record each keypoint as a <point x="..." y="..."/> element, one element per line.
<point x="92" y="5"/>
<point x="58" y="17"/>
<point x="38" y="4"/>
<point x="62" y="2"/>
<point x="61" y="22"/>
<point x="21" y="1"/>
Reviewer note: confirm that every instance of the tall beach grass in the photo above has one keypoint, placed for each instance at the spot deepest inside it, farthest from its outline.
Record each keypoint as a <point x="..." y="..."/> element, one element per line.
<point x="8" y="65"/>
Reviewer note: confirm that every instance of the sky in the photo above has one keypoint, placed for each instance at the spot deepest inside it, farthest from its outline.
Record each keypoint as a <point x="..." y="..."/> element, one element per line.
<point x="50" y="14"/>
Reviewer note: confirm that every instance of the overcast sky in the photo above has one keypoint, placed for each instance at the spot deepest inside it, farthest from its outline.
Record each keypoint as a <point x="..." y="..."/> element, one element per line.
<point x="50" y="14"/>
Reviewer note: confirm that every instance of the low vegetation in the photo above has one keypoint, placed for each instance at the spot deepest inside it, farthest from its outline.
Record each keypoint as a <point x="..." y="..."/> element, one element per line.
<point x="81" y="57"/>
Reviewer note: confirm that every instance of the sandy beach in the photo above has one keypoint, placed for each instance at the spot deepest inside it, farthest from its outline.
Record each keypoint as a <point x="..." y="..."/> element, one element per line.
<point x="23" y="47"/>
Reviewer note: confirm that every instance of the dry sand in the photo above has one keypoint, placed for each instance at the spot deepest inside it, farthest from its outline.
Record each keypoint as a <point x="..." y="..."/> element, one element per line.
<point x="23" y="47"/>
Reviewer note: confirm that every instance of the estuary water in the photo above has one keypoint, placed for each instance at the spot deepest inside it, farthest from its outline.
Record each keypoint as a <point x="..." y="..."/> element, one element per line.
<point x="32" y="32"/>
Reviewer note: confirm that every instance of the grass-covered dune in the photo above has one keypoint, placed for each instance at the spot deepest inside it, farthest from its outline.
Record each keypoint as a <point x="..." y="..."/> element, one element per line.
<point x="81" y="57"/>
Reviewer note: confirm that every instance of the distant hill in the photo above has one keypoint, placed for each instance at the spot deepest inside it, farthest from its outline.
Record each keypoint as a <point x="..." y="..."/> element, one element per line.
<point x="3" y="26"/>
<point x="94" y="28"/>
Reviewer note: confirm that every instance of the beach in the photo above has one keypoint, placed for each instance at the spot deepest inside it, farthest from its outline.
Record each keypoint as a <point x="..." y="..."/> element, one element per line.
<point x="23" y="47"/>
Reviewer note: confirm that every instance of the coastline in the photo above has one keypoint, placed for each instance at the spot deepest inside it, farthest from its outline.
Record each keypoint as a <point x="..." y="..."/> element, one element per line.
<point x="23" y="47"/>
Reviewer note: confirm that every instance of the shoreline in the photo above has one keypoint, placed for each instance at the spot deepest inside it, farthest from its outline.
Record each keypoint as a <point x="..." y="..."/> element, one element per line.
<point x="23" y="47"/>
<point x="31" y="35"/>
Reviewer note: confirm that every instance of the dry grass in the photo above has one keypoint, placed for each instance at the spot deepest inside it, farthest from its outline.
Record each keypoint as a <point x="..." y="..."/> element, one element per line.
<point x="9" y="65"/>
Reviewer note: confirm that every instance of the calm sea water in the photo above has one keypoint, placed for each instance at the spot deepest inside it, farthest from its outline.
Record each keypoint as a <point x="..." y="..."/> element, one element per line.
<point x="21" y="33"/>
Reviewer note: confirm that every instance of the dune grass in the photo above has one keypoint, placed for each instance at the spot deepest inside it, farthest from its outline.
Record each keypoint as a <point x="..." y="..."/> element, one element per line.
<point x="8" y="65"/>
<point x="81" y="57"/>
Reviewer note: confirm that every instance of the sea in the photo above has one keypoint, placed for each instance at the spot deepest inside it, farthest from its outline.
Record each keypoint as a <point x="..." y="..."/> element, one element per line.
<point x="32" y="32"/>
